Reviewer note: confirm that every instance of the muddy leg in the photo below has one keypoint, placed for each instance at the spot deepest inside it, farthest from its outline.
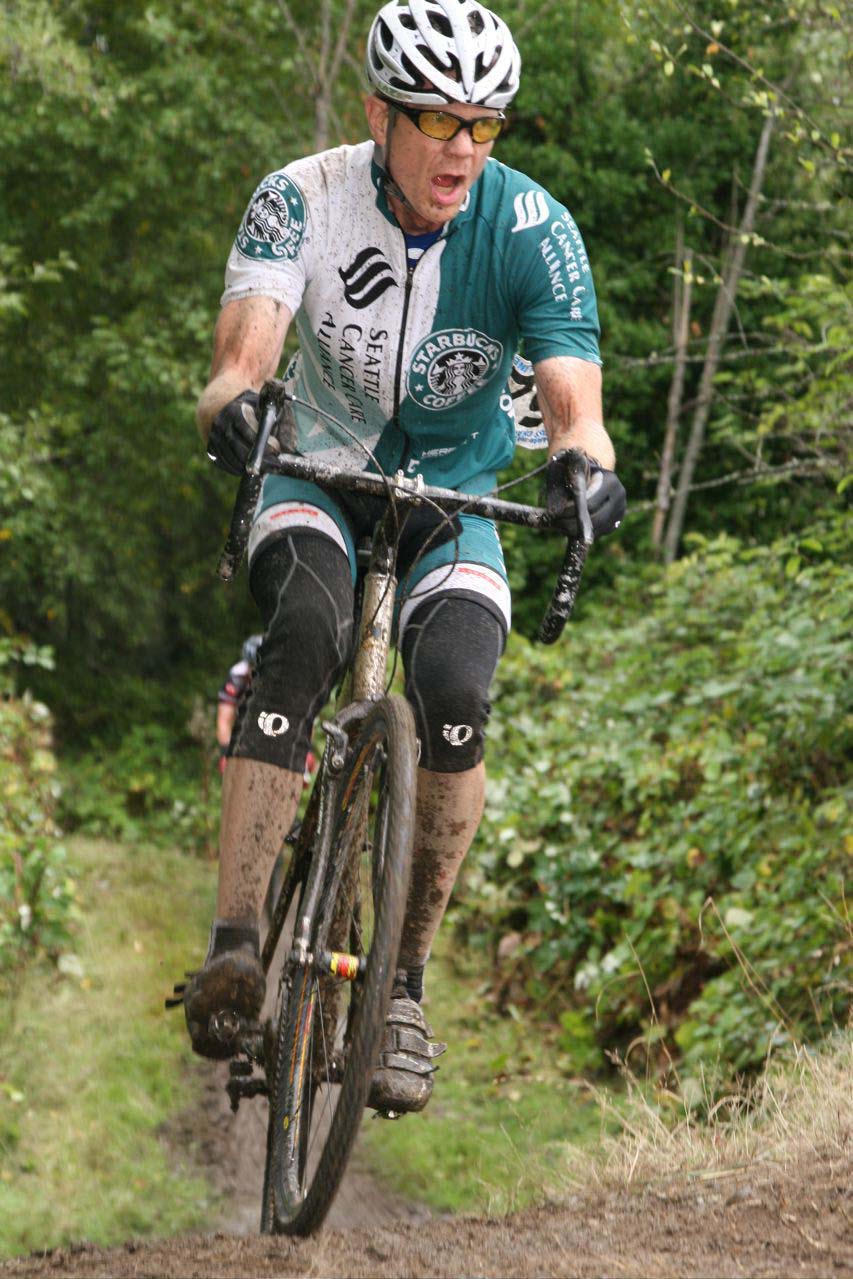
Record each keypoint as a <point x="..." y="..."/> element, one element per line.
<point x="259" y="803"/>
<point x="449" y="809"/>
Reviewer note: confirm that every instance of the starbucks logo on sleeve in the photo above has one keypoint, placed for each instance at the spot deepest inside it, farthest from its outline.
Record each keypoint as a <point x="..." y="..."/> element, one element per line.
<point x="450" y="365"/>
<point x="274" y="223"/>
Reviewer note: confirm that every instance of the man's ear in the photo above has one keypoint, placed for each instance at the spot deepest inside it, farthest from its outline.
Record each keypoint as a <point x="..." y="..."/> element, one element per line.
<point x="377" y="118"/>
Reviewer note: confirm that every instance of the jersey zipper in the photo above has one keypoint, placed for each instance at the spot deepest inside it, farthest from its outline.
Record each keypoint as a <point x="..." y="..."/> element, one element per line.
<point x="398" y="375"/>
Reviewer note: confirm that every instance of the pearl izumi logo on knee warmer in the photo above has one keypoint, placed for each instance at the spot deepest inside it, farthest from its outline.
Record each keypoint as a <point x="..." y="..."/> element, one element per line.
<point x="457" y="734"/>
<point x="273" y="724"/>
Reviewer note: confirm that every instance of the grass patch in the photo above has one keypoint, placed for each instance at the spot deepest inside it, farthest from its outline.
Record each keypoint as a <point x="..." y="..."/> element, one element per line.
<point x="798" y="1111"/>
<point x="504" y="1113"/>
<point x="92" y="1066"/>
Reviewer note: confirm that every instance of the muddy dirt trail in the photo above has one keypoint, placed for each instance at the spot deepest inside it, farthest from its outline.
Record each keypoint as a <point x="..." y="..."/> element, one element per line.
<point x="762" y="1220"/>
<point x="784" y="1223"/>
<point x="794" y="1221"/>
<point x="229" y="1149"/>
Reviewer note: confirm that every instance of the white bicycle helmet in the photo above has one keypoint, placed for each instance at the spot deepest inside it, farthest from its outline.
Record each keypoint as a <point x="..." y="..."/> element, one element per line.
<point x="430" y="52"/>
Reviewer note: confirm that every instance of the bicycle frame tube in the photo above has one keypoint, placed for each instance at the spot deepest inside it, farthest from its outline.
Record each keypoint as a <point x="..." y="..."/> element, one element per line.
<point x="377" y="615"/>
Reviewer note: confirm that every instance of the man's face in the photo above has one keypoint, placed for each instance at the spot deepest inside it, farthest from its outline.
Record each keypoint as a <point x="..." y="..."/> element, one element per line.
<point x="435" y="176"/>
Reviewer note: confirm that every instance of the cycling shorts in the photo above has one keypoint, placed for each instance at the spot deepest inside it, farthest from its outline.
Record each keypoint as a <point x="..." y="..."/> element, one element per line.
<point x="467" y="563"/>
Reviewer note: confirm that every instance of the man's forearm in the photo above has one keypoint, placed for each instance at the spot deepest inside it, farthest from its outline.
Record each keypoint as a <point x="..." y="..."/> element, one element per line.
<point x="226" y="714"/>
<point x="570" y="398"/>
<point x="589" y="436"/>
<point x="220" y="390"/>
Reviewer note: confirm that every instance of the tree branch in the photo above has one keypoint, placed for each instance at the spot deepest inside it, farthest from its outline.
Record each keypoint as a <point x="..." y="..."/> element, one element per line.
<point x="723" y="308"/>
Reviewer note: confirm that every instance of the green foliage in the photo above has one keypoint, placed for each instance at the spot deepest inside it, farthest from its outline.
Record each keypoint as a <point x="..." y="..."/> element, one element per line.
<point x="131" y="137"/>
<point x="666" y="812"/>
<point x="153" y="784"/>
<point x="37" y="891"/>
<point x="93" y="1069"/>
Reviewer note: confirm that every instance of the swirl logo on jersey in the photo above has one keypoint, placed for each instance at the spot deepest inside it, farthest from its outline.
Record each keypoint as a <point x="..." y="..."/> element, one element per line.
<point x="450" y="365"/>
<point x="274" y="224"/>
<point x="531" y="209"/>
<point x="366" y="278"/>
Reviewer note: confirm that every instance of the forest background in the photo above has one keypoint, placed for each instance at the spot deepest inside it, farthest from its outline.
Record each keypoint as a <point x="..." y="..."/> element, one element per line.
<point x="662" y="866"/>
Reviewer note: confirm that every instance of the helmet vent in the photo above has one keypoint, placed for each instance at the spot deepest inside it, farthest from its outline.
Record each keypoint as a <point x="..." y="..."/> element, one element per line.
<point x="440" y="23"/>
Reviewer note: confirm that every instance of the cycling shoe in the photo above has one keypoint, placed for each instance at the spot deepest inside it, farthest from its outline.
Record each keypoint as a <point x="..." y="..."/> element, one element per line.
<point x="402" y="1081"/>
<point x="224" y="998"/>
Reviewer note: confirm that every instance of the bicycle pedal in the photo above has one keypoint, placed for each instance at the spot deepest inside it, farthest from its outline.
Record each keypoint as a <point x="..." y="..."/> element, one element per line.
<point x="225" y="1025"/>
<point x="241" y="1089"/>
<point x="176" y="999"/>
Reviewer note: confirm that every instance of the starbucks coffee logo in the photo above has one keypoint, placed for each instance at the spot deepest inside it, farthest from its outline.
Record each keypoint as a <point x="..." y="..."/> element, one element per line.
<point x="450" y="365"/>
<point x="274" y="224"/>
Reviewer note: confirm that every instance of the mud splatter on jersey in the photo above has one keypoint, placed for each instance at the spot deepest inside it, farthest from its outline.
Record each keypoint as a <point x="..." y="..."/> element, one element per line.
<point x="411" y="364"/>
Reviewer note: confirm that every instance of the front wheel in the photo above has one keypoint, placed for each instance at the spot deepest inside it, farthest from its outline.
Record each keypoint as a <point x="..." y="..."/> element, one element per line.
<point x="330" y="1030"/>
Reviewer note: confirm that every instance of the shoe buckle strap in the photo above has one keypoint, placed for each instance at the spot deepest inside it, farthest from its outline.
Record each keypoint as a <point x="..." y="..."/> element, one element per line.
<point x="414" y="1065"/>
<point x="405" y="1012"/>
<point x="411" y="1041"/>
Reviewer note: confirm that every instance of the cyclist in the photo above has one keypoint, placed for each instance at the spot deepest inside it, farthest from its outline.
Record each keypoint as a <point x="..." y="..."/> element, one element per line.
<point x="231" y="698"/>
<point x="232" y="694"/>
<point x="413" y="265"/>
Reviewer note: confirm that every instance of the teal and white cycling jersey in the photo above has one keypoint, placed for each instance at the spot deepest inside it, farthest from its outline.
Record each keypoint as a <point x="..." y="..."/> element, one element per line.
<point x="413" y="364"/>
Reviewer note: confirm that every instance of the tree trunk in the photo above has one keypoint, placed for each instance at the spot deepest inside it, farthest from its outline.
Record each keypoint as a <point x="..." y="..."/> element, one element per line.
<point x="723" y="307"/>
<point x="682" y="283"/>
<point x="323" y="66"/>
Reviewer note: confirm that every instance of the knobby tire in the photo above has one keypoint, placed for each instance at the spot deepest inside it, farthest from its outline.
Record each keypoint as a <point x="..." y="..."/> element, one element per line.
<point x="329" y="1032"/>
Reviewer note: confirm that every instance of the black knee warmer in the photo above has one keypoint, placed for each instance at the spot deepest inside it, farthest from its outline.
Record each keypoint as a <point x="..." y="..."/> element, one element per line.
<point x="302" y="586"/>
<point x="451" y="648"/>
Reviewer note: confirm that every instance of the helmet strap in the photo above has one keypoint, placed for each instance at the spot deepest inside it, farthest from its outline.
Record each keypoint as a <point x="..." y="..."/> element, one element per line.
<point x="391" y="186"/>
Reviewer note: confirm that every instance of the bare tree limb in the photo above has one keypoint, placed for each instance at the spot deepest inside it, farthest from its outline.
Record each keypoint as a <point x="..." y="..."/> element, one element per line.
<point x="723" y="307"/>
<point x="682" y="283"/>
<point x="755" y="74"/>
<point x="296" y="32"/>
<point x="787" y="470"/>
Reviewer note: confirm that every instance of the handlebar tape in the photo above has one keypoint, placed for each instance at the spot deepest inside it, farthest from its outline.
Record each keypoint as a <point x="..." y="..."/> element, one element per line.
<point x="273" y="408"/>
<point x="573" y="464"/>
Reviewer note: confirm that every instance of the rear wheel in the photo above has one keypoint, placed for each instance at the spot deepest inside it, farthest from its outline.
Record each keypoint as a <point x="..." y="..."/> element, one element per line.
<point x="330" y="1030"/>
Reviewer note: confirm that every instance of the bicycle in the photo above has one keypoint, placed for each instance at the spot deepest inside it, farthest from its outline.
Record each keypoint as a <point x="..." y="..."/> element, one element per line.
<point x="341" y="904"/>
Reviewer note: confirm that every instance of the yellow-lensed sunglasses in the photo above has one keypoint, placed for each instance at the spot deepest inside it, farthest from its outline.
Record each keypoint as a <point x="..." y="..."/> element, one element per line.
<point x="444" y="125"/>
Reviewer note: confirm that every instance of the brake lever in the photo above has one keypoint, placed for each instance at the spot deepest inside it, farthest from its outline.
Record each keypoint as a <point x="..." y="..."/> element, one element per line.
<point x="273" y="407"/>
<point x="575" y="466"/>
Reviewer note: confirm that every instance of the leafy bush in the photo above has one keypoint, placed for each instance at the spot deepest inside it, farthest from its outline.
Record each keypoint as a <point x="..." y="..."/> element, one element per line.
<point x="36" y="889"/>
<point x="663" y="853"/>
<point x="154" y="785"/>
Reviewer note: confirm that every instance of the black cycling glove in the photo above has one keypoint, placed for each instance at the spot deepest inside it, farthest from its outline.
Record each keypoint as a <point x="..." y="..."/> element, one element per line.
<point x="232" y="434"/>
<point x="604" y="494"/>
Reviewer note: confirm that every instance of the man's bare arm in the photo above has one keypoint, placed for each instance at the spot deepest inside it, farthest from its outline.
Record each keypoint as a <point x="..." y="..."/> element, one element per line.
<point x="569" y="393"/>
<point x="247" y="347"/>
<point x="226" y="714"/>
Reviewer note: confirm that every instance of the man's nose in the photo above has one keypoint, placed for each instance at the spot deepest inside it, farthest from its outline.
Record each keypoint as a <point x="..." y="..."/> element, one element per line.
<point x="461" y="144"/>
